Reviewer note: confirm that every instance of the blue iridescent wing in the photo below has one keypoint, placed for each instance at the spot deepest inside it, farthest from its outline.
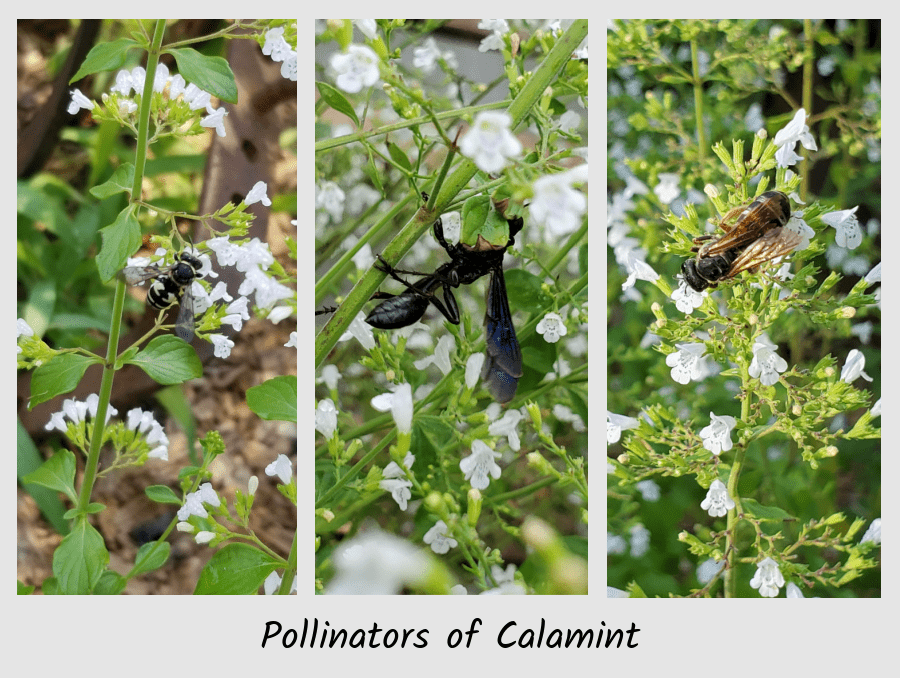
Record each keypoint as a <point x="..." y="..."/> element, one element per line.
<point x="503" y="357"/>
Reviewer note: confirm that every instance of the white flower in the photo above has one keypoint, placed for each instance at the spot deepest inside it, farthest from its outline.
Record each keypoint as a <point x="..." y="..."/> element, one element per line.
<point x="204" y="537"/>
<point x="257" y="193"/>
<point x="399" y="489"/>
<point x="438" y="539"/>
<point x="873" y="534"/>
<point x="326" y="417"/>
<point x="551" y="327"/>
<point x="667" y="188"/>
<point x="79" y="101"/>
<point x="356" y="68"/>
<point x="788" y="137"/>
<point x="376" y="563"/>
<point x="193" y="502"/>
<point x="441" y="356"/>
<point x="480" y="464"/>
<point x="717" y="502"/>
<point x="649" y="490"/>
<point x="766" y="364"/>
<point x="615" y="424"/>
<point x="717" y="436"/>
<point x="874" y="275"/>
<point x="276" y="46"/>
<point x="848" y="234"/>
<point x="282" y="468"/>
<point x="473" y="369"/>
<point x="506" y="426"/>
<point x="23" y="328"/>
<point x="489" y="142"/>
<point x="640" y="541"/>
<point x="685" y="362"/>
<point x="222" y="345"/>
<point x="686" y="298"/>
<point x="400" y="404"/>
<point x="853" y="367"/>
<point x="330" y="197"/>
<point x="557" y="205"/>
<point x="768" y="578"/>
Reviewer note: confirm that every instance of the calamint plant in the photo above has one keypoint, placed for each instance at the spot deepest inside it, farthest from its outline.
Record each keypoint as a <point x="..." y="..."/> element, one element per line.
<point x="739" y="408"/>
<point x="184" y="276"/>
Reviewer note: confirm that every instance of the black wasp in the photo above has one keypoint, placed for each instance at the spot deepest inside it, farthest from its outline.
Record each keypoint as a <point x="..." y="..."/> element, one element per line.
<point x="171" y="284"/>
<point x="503" y="357"/>
<point x="758" y="235"/>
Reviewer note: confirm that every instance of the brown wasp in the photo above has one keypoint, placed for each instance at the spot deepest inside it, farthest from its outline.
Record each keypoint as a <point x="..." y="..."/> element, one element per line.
<point x="757" y="236"/>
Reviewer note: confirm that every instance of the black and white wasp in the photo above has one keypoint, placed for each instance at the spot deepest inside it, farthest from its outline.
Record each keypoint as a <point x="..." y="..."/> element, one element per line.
<point x="171" y="284"/>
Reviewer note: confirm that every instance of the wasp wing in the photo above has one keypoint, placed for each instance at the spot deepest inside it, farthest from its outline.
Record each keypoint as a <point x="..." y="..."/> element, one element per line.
<point x="135" y="275"/>
<point x="769" y="211"/>
<point x="503" y="356"/>
<point x="184" y="324"/>
<point x="775" y="243"/>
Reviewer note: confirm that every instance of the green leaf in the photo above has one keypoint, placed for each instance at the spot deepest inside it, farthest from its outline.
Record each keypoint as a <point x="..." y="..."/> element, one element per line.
<point x="121" y="181"/>
<point x="60" y="374"/>
<point x="110" y="584"/>
<point x="107" y="56"/>
<point x="237" y="569"/>
<point x="162" y="494"/>
<point x="151" y="556"/>
<point x="120" y="240"/>
<point x="28" y="460"/>
<point x="275" y="399"/>
<point x="209" y="73"/>
<point x="337" y="101"/>
<point x="399" y="157"/>
<point x="57" y="473"/>
<point x="765" y="513"/>
<point x="168" y="360"/>
<point x="80" y="559"/>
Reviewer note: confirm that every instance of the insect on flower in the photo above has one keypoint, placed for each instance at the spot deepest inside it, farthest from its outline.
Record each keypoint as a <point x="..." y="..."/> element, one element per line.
<point x="758" y="235"/>
<point x="170" y="285"/>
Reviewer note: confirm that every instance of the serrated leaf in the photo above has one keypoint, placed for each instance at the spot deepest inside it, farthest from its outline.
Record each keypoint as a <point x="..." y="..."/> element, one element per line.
<point x="59" y="375"/>
<point x="107" y="56"/>
<point x="168" y="360"/>
<point x="274" y="399"/>
<point x="209" y="73"/>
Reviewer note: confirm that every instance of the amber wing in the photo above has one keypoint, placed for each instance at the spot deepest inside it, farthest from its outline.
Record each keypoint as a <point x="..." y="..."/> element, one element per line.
<point x="775" y="243"/>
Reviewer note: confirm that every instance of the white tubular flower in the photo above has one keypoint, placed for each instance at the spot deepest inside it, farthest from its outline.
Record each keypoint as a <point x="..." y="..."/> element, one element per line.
<point x="848" y="233"/>
<point x="685" y="362"/>
<point x="766" y="364"/>
<point x="437" y="538"/>
<point x="717" y="502"/>
<point x="788" y="137"/>
<point x="768" y="578"/>
<point x="615" y="424"/>
<point x="480" y="464"/>
<point x="717" y="436"/>
<point x="551" y="327"/>
<point x="357" y="68"/>
<point x="853" y="368"/>
<point x="326" y="418"/>
<point x="282" y="468"/>
<point x="489" y="142"/>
